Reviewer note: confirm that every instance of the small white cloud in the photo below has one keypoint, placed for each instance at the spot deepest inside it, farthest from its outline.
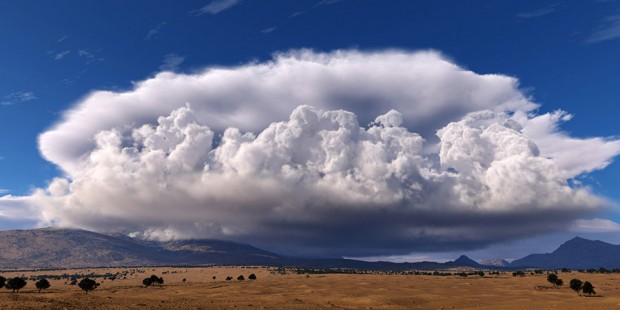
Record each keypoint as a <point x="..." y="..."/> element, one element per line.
<point x="61" y="55"/>
<point x="268" y="30"/>
<point x="3" y="190"/>
<point x="62" y="39"/>
<point x="217" y="6"/>
<point x="151" y="34"/>
<point x="17" y="97"/>
<point x="85" y="54"/>
<point x="539" y="12"/>
<point x="595" y="226"/>
<point x="608" y="30"/>
<point x="171" y="62"/>
<point x="327" y="2"/>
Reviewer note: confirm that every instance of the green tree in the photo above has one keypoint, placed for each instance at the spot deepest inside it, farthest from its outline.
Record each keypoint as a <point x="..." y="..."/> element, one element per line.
<point x="252" y="277"/>
<point x="15" y="284"/>
<point x="552" y="278"/>
<point x="152" y="280"/>
<point x="575" y="285"/>
<point x="587" y="288"/>
<point x="559" y="282"/>
<point x="2" y="281"/>
<point x="240" y="278"/>
<point x="42" y="284"/>
<point x="88" y="285"/>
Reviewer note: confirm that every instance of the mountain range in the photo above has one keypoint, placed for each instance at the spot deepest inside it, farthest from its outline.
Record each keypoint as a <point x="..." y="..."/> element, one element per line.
<point x="76" y="248"/>
<point x="577" y="253"/>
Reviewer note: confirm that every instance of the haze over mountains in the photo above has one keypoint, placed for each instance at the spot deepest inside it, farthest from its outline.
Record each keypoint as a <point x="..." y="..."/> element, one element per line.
<point x="74" y="248"/>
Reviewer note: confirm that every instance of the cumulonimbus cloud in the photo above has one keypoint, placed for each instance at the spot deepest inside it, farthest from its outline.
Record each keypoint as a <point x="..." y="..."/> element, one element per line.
<point x="344" y="153"/>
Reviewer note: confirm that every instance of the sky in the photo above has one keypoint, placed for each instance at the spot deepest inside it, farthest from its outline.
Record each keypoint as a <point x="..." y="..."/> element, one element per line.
<point x="401" y="130"/>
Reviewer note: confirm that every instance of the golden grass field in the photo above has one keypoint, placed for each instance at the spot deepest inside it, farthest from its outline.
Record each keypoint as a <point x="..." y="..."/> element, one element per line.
<point x="273" y="290"/>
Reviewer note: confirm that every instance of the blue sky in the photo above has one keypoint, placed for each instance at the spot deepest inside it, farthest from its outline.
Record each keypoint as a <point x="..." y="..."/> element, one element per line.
<point x="55" y="53"/>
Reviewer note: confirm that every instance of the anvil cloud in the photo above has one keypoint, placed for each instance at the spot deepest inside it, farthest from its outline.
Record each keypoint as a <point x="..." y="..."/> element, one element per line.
<point x="343" y="153"/>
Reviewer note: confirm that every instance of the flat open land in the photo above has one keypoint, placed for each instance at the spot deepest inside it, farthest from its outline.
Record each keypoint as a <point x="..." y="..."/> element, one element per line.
<point x="275" y="290"/>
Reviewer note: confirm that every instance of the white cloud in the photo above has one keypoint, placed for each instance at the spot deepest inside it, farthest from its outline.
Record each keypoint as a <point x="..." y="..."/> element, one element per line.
<point x="151" y="34"/>
<point x="313" y="181"/>
<point x="608" y="30"/>
<point x="595" y="226"/>
<point x="17" y="97"/>
<point x="268" y="30"/>
<point x="429" y="91"/>
<point x="85" y="54"/>
<point x="217" y="6"/>
<point x="317" y="180"/>
<point x="61" y="55"/>
<point x="539" y="12"/>
<point x="171" y="62"/>
<point x="574" y="155"/>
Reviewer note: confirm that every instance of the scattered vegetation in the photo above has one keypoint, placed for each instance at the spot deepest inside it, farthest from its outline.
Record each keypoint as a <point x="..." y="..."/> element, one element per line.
<point x="88" y="285"/>
<point x="575" y="285"/>
<point x="240" y="278"/>
<point x="15" y="284"/>
<point x="553" y="279"/>
<point x="588" y="288"/>
<point x="42" y="284"/>
<point x="252" y="277"/>
<point x="152" y="280"/>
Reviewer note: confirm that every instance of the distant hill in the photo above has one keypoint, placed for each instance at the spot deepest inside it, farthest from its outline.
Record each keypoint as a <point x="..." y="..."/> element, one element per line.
<point x="53" y="247"/>
<point x="498" y="262"/>
<point x="75" y="248"/>
<point x="464" y="261"/>
<point x="577" y="253"/>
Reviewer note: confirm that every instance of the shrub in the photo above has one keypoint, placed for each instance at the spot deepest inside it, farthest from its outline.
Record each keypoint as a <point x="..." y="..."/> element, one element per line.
<point x="2" y="281"/>
<point x="88" y="285"/>
<point x="42" y="284"/>
<point x="15" y="284"/>
<point x="252" y="277"/>
<point x="587" y="288"/>
<point x="240" y="278"/>
<point x="552" y="278"/>
<point x="152" y="280"/>
<point x="575" y="285"/>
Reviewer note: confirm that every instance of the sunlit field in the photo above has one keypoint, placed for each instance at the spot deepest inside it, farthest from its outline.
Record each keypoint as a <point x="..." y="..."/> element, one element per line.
<point x="207" y="288"/>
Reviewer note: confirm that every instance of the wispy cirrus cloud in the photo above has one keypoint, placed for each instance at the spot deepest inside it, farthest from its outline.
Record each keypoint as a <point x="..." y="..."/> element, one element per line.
<point x="61" y="55"/>
<point x="539" y="12"/>
<point x="154" y="31"/>
<point x="217" y="6"/>
<point x="316" y="5"/>
<point x="17" y="97"/>
<point x="269" y="30"/>
<point x="609" y="29"/>
<point x="596" y="225"/>
<point x="171" y="62"/>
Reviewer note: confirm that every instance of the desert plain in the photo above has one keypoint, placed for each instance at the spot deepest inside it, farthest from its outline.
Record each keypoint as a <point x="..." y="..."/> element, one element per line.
<point x="207" y="288"/>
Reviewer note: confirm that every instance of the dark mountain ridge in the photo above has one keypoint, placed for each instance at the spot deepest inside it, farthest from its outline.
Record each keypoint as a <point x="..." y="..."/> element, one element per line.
<point x="577" y="253"/>
<point x="76" y="248"/>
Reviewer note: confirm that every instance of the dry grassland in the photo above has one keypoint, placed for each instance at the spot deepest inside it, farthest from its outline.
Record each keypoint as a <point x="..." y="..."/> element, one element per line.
<point x="273" y="290"/>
